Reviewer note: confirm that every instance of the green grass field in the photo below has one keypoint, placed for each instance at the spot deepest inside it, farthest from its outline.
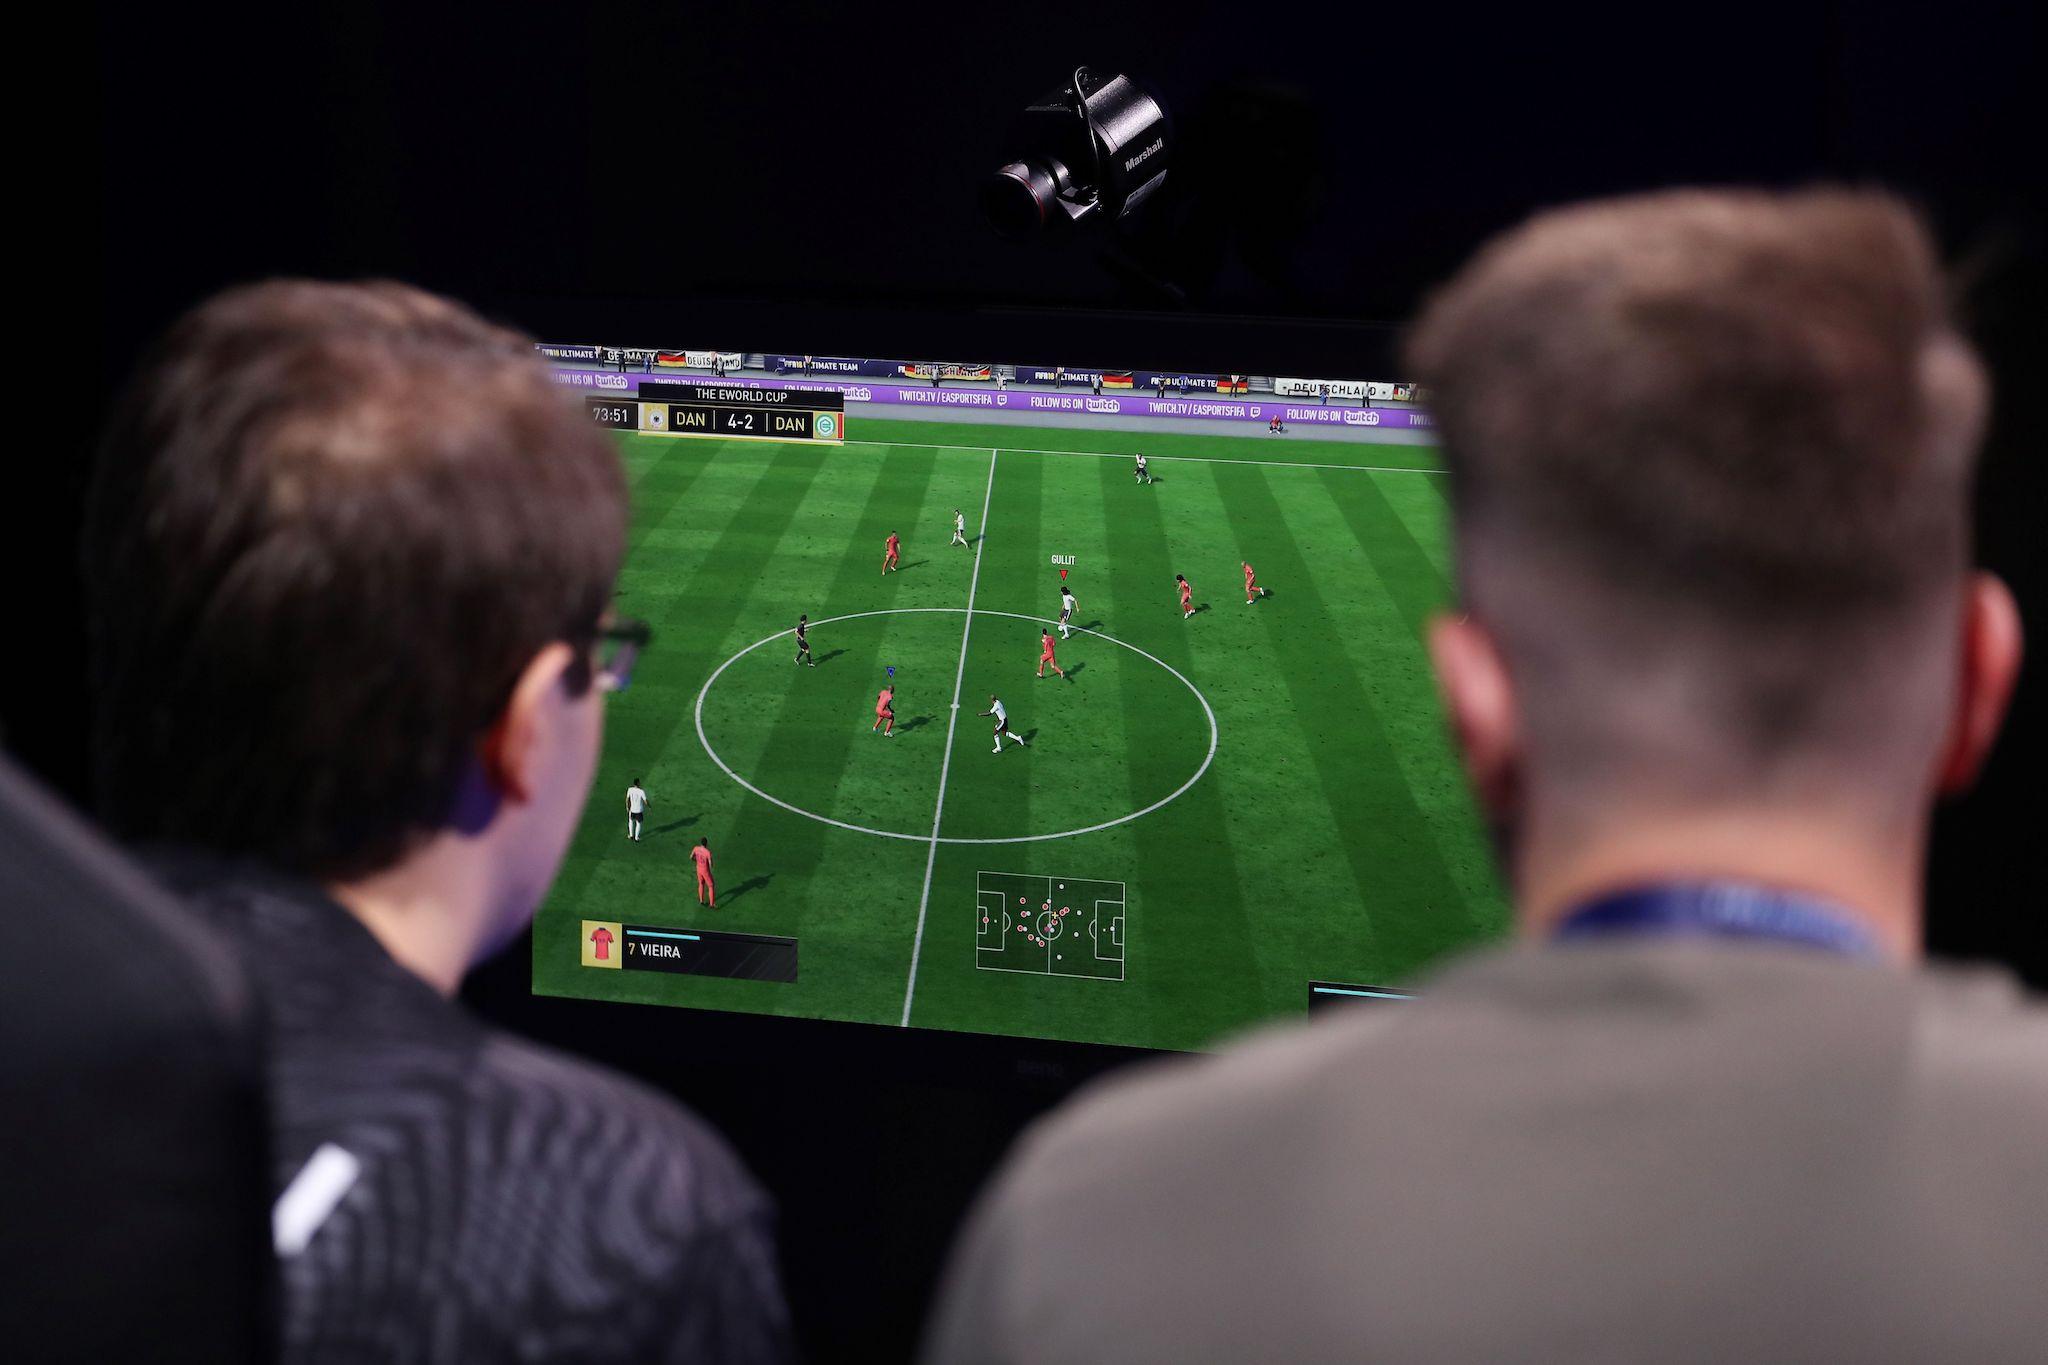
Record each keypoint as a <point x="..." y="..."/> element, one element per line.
<point x="1329" y="837"/>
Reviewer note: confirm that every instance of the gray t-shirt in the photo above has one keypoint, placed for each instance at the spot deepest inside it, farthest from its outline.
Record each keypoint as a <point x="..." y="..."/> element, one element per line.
<point x="1631" y="1151"/>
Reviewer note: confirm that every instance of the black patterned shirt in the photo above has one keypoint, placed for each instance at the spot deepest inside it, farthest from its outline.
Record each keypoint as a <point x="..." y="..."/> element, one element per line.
<point x="447" y="1192"/>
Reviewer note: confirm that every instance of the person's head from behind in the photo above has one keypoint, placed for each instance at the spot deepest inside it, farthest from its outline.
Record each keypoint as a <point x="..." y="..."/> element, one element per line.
<point x="348" y="552"/>
<point x="1710" y="457"/>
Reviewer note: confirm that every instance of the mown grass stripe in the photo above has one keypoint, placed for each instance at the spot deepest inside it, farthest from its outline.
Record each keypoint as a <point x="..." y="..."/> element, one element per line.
<point x="662" y="486"/>
<point x="1409" y="894"/>
<point x="996" y="658"/>
<point x="1422" y="514"/>
<point x="1190" y="939"/>
<point x="644" y="586"/>
<point x="1415" y="583"/>
<point x="693" y="626"/>
<point x="848" y="946"/>
<point x="931" y="857"/>
<point x="1376" y="632"/>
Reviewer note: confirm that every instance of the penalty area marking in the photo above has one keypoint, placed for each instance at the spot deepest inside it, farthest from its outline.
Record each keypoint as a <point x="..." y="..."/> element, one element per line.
<point x="933" y="836"/>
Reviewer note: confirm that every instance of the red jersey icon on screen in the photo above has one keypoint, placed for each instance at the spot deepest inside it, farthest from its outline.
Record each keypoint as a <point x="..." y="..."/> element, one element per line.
<point x="595" y="949"/>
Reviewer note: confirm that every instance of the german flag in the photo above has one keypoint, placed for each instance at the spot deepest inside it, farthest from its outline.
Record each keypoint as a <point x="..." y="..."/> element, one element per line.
<point x="674" y="360"/>
<point x="1233" y="383"/>
<point x="1117" y="379"/>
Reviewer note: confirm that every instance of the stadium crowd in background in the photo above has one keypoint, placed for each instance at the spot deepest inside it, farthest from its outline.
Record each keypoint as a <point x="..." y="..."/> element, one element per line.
<point x="1721" y="650"/>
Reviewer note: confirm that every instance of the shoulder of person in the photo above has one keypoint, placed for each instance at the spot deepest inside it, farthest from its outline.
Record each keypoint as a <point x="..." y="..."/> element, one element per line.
<point x="658" y="1243"/>
<point x="1234" y="1098"/>
<point x="596" y="1134"/>
<point x="1980" y="1039"/>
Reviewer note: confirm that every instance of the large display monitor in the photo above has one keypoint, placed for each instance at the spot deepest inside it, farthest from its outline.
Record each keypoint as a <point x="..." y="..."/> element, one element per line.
<point x="1111" y="721"/>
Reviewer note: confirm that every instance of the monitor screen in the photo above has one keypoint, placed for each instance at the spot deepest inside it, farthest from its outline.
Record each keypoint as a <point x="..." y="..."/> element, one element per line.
<point x="1018" y="699"/>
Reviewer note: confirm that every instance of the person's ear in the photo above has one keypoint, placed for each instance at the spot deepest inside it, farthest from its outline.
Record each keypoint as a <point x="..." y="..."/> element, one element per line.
<point x="513" y="750"/>
<point x="1988" y="664"/>
<point x="1479" y="700"/>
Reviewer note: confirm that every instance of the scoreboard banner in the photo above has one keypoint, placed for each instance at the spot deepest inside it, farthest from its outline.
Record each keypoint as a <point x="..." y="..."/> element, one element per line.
<point x="726" y="411"/>
<point x="631" y="391"/>
<point x="1343" y="388"/>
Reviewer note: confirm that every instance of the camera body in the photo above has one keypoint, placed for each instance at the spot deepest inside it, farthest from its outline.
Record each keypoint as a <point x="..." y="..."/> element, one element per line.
<point x="1092" y="151"/>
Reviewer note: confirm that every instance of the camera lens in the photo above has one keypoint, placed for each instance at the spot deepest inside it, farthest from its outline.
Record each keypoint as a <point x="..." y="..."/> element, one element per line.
<point x="1084" y="155"/>
<point x="1018" y="200"/>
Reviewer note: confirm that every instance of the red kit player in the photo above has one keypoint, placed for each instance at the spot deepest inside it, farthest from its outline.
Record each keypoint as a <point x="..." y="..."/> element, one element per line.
<point x="885" y="713"/>
<point x="1045" y="655"/>
<point x="1187" y="597"/>
<point x="707" y="890"/>
<point x="1252" y="591"/>
<point x="891" y="552"/>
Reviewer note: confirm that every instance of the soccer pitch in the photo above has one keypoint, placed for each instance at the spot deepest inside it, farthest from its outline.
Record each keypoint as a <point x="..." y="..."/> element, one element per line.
<point x="1210" y="813"/>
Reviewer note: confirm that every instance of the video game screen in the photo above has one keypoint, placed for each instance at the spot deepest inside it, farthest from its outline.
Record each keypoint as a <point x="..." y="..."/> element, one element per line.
<point x="1018" y="699"/>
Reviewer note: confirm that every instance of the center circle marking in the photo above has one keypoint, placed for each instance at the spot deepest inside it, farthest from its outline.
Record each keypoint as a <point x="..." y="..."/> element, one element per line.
<point x="1170" y="797"/>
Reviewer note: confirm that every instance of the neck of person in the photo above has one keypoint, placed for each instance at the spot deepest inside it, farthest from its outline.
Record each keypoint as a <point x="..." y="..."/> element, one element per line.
<point x="432" y="911"/>
<point x="1868" y="867"/>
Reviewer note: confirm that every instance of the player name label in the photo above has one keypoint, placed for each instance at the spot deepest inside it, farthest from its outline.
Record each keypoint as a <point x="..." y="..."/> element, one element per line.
<point x="1067" y="560"/>
<point x="688" y="952"/>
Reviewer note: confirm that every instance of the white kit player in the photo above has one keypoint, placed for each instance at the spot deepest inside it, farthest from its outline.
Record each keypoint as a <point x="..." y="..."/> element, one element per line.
<point x="1066" y="611"/>
<point x="959" y="527"/>
<point x="1144" y="470"/>
<point x="636" y="806"/>
<point x="995" y="708"/>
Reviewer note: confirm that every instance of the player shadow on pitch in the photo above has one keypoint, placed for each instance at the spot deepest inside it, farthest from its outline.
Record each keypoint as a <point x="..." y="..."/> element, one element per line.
<point x="674" y="825"/>
<point x="750" y="884"/>
<point x="1030" y="734"/>
<point x="1072" y="669"/>
<point x="1096" y="624"/>
<point x="913" y="564"/>
<point x="829" y="657"/>
<point x="914" y="722"/>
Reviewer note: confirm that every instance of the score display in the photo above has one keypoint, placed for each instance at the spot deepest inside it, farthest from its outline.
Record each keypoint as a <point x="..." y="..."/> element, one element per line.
<point x="726" y="411"/>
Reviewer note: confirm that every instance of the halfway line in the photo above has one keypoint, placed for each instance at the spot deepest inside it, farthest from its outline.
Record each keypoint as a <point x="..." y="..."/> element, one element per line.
<point x="946" y="762"/>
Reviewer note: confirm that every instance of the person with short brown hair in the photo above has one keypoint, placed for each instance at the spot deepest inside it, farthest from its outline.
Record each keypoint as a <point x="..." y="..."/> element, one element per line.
<point x="350" y="554"/>
<point x="1721" y="648"/>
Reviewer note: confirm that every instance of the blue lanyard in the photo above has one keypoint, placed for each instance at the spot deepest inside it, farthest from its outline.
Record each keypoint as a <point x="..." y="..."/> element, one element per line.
<point x="1722" y="910"/>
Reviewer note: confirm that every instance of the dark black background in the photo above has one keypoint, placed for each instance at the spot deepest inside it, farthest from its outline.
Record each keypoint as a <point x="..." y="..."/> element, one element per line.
<point x="799" y="177"/>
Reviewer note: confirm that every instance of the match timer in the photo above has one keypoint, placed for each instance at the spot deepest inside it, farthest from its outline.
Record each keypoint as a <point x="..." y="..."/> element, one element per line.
<point x="726" y="411"/>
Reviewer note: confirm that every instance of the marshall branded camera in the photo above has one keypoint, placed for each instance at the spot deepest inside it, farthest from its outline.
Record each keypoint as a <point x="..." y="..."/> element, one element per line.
<point x="1091" y="152"/>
